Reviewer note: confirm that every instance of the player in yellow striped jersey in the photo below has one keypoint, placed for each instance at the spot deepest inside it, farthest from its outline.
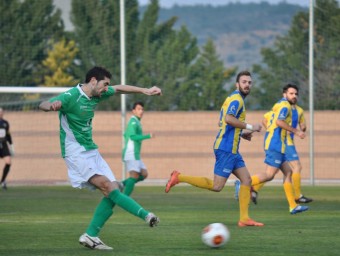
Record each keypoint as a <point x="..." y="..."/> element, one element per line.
<point x="232" y="127"/>
<point x="298" y="120"/>
<point x="278" y="124"/>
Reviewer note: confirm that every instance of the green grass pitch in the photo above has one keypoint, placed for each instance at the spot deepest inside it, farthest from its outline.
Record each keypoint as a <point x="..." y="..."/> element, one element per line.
<point x="48" y="221"/>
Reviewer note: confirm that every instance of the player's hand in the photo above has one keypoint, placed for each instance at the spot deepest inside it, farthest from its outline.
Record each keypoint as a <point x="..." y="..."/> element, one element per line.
<point x="301" y="134"/>
<point x="11" y="150"/>
<point x="247" y="135"/>
<point x="154" y="90"/>
<point x="55" y="106"/>
<point x="257" y="127"/>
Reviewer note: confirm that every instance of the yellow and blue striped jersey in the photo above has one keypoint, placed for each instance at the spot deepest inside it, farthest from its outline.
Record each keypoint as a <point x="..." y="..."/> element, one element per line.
<point x="276" y="136"/>
<point x="228" y="137"/>
<point x="297" y="118"/>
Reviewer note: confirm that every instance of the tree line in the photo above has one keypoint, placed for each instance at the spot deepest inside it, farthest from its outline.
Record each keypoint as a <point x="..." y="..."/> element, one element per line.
<point x="36" y="50"/>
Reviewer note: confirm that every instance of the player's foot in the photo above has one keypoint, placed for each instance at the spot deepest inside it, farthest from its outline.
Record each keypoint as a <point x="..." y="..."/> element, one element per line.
<point x="4" y="185"/>
<point x="172" y="181"/>
<point x="253" y="195"/>
<point x="152" y="219"/>
<point x="299" y="208"/>
<point x="237" y="185"/>
<point x="303" y="200"/>
<point x="93" y="242"/>
<point x="249" y="223"/>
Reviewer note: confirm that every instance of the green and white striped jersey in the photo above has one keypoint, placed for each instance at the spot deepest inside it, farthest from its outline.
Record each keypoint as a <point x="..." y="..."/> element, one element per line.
<point x="75" y="116"/>
<point x="133" y="139"/>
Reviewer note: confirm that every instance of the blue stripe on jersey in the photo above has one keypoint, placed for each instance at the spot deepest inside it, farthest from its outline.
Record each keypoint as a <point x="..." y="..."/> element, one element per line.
<point x="228" y="138"/>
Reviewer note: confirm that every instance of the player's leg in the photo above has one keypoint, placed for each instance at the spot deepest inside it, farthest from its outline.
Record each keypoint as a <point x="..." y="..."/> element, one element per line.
<point x="273" y="161"/>
<point x="296" y="179"/>
<point x="244" y="197"/>
<point x="259" y="179"/>
<point x="6" y="169"/>
<point x="203" y="182"/>
<point x="137" y="172"/>
<point x="289" y="190"/>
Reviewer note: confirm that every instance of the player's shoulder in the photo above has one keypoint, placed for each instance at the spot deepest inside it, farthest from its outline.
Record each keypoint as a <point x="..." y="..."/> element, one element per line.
<point x="299" y="109"/>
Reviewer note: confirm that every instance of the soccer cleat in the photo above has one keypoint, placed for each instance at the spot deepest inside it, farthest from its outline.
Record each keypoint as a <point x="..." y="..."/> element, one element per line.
<point x="152" y="219"/>
<point x="299" y="208"/>
<point x="253" y="195"/>
<point x="250" y="223"/>
<point x="4" y="185"/>
<point x="93" y="242"/>
<point x="172" y="181"/>
<point x="237" y="185"/>
<point x="303" y="200"/>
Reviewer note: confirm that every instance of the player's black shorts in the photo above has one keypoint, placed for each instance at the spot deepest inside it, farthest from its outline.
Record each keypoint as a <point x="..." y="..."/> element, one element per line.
<point x="4" y="150"/>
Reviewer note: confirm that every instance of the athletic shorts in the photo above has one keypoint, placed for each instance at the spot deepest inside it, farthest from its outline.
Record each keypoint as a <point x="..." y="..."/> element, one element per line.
<point x="291" y="153"/>
<point x="135" y="165"/>
<point x="82" y="166"/>
<point x="274" y="158"/>
<point x="227" y="162"/>
<point x="4" y="150"/>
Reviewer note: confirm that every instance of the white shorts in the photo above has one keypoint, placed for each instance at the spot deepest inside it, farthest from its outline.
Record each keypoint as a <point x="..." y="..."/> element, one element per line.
<point x="82" y="166"/>
<point x="135" y="165"/>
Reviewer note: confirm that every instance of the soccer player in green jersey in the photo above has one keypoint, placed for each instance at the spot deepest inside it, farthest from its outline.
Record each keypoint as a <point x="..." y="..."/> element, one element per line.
<point x="86" y="167"/>
<point x="131" y="153"/>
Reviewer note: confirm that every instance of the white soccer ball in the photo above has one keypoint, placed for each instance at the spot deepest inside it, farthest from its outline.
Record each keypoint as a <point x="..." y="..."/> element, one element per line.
<point x="215" y="235"/>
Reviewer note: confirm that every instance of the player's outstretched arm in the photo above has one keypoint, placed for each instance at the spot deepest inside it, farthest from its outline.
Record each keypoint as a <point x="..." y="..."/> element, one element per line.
<point x="50" y="106"/>
<point x="127" y="89"/>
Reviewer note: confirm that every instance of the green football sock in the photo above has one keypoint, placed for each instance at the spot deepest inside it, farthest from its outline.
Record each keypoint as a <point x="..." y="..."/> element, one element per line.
<point x="102" y="213"/>
<point x="128" y="204"/>
<point x="129" y="185"/>
<point x="140" y="178"/>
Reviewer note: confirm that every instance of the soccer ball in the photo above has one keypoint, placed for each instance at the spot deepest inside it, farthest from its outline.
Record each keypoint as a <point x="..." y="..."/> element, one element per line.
<point x="215" y="235"/>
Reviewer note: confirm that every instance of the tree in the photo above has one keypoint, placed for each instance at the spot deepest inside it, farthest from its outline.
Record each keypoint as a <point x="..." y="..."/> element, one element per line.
<point x="205" y="86"/>
<point x="287" y="61"/>
<point x="26" y="27"/>
<point x="58" y="63"/>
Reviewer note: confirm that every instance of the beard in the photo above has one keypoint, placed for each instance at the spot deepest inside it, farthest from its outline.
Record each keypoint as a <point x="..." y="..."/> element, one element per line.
<point x="292" y="101"/>
<point x="244" y="91"/>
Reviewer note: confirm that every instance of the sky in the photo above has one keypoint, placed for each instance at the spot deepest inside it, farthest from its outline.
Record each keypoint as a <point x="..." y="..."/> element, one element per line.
<point x="170" y="3"/>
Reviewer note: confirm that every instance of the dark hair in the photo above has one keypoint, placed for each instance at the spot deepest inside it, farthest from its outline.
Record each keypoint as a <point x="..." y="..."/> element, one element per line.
<point x="287" y="86"/>
<point x="137" y="103"/>
<point x="242" y="73"/>
<point x="97" y="72"/>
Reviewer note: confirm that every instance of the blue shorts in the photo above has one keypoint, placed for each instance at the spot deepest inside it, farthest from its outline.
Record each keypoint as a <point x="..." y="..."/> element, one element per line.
<point x="227" y="162"/>
<point x="274" y="158"/>
<point x="291" y="153"/>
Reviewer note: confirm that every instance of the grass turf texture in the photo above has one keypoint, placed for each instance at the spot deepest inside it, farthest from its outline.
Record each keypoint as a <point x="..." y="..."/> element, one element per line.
<point x="49" y="220"/>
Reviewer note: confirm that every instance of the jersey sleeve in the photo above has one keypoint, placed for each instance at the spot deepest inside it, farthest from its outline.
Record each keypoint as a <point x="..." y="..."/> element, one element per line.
<point x="233" y="108"/>
<point x="65" y="99"/>
<point x="131" y="130"/>
<point x="111" y="91"/>
<point x="283" y="112"/>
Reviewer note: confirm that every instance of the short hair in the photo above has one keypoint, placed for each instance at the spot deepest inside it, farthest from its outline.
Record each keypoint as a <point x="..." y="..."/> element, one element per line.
<point x="98" y="72"/>
<point x="242" y="73"/>
<point x="137" y="103"/>
<point x="287" y="86"/>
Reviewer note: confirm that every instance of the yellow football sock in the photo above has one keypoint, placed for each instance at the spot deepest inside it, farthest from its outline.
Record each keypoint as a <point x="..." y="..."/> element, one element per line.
<point x="244" y="200"/>
<point x="289" y="191"/>
<point x="296" y="177"/>
<point x="201" y="182"/>
<point x="255" y="182"/>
